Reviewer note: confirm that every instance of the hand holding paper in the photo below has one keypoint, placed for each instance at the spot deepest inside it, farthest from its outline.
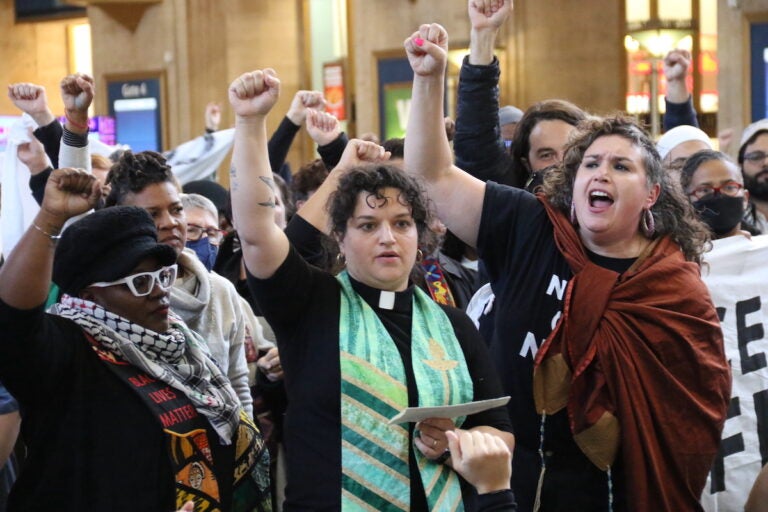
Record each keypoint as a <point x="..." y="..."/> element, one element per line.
<point x="414" y="414"/>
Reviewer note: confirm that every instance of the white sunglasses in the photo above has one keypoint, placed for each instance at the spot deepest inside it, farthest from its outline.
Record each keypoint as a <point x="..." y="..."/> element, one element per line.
<point x="141" y="284"/>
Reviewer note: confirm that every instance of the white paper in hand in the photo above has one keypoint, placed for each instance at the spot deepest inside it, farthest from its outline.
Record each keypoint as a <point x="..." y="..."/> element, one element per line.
<point x="414" y="414"/>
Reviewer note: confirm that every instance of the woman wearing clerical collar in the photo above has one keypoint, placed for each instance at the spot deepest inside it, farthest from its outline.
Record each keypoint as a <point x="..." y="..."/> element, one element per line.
<point x="359" y="348"/>
<point x="123" y="405"/>
<point x="606" y="336"/>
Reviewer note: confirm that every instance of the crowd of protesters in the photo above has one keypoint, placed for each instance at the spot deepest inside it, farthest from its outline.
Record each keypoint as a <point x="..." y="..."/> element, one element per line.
<point x="556" y="302"/>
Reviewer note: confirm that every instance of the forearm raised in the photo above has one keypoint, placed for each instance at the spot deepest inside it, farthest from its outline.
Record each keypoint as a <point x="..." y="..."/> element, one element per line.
<point x="677" y="91"/>
<point x="251" y="183"/>
<point x="482" y="43"/>
<point x="427" y="151"/>
<point x="252" y="95"/>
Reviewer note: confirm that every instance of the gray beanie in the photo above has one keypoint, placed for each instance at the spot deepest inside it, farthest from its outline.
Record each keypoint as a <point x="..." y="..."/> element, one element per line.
<point x="509" y="114"/>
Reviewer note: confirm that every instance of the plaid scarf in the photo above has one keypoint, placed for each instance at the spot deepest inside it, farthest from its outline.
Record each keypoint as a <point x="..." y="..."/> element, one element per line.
<point x="177" y="357"/>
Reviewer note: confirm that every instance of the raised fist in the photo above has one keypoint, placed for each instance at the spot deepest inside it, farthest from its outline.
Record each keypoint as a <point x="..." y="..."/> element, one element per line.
<point x="254" y="93"/>
<point x="427" y="50"/>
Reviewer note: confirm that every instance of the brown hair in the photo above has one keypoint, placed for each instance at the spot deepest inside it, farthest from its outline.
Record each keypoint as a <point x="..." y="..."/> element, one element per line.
<point x="672" y="213"/>
<point x="308" y="179"/>
<point x="549" y="110"/>
<point x="373" y="179"/>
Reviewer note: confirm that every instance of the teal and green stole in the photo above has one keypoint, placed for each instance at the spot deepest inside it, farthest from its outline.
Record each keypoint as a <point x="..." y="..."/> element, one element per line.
<point x="374" y="455"/>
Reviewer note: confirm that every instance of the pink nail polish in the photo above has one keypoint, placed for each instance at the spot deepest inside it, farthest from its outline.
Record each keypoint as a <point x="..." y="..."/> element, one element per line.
<point x="419" y="41"/>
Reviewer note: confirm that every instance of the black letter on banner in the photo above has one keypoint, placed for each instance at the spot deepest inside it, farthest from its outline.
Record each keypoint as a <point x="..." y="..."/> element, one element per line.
<point x="720" y="314"/>
<point x="749" y="334"/>
<point x="761" y="411"/>
<point x="728" y="446"/>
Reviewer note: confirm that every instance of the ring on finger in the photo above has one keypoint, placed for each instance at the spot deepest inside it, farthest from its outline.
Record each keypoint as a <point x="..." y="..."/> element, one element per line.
<point x="434" y="443"/>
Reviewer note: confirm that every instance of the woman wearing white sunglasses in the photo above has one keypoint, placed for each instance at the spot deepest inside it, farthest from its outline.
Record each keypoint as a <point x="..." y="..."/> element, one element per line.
<point x="124" y="409"/>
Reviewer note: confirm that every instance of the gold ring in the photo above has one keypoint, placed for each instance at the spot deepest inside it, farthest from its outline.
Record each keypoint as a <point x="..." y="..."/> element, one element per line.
<point x="434" y="443"/>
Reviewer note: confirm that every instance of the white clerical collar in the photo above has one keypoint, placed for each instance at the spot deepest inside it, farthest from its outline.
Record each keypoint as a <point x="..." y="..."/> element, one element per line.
<point x="386" y="300"/>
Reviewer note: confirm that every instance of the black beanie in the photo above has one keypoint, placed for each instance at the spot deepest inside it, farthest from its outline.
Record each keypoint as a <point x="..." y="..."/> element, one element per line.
<point x="105" y="246"/>
<point x="218" y="195"/>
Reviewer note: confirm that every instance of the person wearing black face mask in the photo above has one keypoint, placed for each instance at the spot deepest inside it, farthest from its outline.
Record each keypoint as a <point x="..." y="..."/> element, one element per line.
<point x="716" y="188"/>
<point x="732" y="273"/>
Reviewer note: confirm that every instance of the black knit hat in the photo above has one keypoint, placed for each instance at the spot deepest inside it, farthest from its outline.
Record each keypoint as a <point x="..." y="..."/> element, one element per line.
<point x="218" y="195"/>
<point x="105" y="246"/>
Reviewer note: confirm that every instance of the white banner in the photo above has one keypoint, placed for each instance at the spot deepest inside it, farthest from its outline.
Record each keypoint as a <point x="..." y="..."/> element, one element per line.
<point x="736" y="273"/>
<point x="199" y="158"/>
<point x="18" y="205"/>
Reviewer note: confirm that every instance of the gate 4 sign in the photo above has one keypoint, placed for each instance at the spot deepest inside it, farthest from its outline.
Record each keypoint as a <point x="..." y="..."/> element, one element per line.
<point x="737" y="277"/>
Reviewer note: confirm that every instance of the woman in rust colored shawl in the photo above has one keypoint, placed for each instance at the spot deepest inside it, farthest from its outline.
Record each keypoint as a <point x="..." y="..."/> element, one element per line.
<point x="605" y="335"/>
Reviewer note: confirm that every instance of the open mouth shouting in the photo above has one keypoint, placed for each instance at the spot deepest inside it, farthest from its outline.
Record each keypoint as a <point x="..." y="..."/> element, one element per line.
<point x="599" y="200"/>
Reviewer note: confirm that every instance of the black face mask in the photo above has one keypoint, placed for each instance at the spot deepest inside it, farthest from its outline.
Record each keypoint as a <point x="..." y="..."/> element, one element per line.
<point x="721" y="213"/>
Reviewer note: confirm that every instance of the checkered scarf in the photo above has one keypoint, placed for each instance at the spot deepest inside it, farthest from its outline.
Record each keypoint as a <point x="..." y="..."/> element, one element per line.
<point x="178" y="357"/>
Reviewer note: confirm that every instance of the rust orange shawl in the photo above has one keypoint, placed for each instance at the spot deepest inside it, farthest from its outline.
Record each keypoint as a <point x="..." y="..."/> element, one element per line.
<point x="638" y="360"/>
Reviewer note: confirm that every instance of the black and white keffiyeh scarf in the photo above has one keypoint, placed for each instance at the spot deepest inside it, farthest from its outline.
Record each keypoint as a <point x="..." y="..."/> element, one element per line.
<point x="178" y="357"/>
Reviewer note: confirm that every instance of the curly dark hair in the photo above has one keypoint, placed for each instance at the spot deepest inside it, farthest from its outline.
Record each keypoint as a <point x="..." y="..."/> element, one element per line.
<point x="395" y="146"/>
<point x="673" y="213"/>
<point x="133" y="172"/>
<point x="549" y="110"/>
<point x="373" y="179"/>
<point x="308" y="179"/>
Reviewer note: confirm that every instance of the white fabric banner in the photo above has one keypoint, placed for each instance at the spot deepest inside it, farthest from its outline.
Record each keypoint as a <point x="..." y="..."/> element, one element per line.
<point x="18" y="208"/>
<point x="737" y="277"/>
<point x="199" y="158"/>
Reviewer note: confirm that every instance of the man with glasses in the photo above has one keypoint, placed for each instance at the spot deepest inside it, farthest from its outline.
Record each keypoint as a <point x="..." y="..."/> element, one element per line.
<point x="753" y="158"/>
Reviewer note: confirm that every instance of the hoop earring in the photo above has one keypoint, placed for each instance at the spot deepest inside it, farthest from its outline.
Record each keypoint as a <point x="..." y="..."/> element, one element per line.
<point x="574" y="221"/>
<point x="647" y="223"/>
<point x="341" y="260"/>
<point x="419" y="256"/>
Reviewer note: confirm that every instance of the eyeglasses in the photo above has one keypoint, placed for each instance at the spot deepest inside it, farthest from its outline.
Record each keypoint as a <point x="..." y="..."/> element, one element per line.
<point x="756" y="157"/>
<point x="143" y="283"/>
<point x="195" y="232"/>
<point x="729" y="188"/>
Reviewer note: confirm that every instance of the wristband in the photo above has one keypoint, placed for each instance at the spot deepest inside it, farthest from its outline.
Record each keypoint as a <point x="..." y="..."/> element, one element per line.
<point x="53" y="237"/>
<point x="76" y="125"/>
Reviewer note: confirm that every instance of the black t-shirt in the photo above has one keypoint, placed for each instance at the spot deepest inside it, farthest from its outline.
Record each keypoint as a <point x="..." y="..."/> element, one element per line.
<point x="92" y="442"/>
<point x="529" y="275"/>
<point x="302" y="303"/>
